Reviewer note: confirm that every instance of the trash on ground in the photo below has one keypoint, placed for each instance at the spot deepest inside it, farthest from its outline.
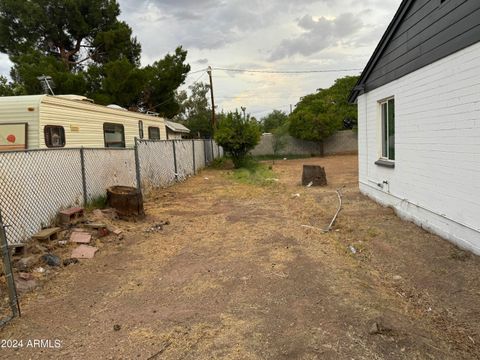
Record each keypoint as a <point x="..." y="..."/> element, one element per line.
<point x="95" y="225"/>
<point x="157" y="227"/>
<point x="352" y="249"/>
<point x="39" y="270"/>
<point x="80" y="237"/>
<point x="70" y="261"/>
<point x="295" y="195"/>
<point x="51" y="260"/>
<point x="84" y="252"/>
<point x="310" y="184"/>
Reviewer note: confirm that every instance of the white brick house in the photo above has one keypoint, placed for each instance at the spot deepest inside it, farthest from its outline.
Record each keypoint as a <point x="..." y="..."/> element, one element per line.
<point x="419" y="118"/>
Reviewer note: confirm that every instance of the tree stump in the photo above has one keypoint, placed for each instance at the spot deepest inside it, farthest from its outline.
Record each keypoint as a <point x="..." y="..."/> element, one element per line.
<point x="314" y="174"/>
<point x="127" y="201"/>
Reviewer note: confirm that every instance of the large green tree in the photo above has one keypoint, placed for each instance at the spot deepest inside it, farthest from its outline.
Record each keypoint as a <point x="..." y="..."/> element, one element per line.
<point x="273" y="120"/>
<point x="163" y="78"/>
<point x="237" y="135"/>
<point x="195" y="110"/>
<point x="318" y="116"/>
<point x="86" y="50"/>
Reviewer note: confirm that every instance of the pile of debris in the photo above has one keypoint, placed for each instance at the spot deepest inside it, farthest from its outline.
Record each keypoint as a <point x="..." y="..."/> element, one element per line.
<point x="75" y="238"/>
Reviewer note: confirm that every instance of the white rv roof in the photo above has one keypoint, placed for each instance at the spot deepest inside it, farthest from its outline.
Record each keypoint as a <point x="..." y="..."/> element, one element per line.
<point x="176" y="127"/>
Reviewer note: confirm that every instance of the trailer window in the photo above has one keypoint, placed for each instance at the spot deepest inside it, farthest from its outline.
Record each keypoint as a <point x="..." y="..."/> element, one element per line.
<point x="140" y="129"/>
<point x="54" y="136"/>
<point x="153" y="133"/>
<point x="114" y="135"/>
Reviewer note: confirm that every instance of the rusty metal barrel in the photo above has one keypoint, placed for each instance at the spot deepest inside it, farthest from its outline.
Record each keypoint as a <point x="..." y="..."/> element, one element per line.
<point x="126" y="200"/>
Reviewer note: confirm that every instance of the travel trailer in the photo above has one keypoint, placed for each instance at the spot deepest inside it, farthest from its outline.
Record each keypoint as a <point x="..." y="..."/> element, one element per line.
<point x="46" y="121"/>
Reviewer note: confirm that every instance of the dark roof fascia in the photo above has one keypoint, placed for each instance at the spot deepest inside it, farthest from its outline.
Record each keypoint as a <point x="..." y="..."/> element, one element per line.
<point x="387" y="36"/>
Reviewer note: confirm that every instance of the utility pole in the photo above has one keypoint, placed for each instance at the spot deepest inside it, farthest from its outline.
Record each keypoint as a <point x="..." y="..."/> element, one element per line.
<point x="243" y="109"/>
<point x="209" y="71"/>
<point x="290" y="109"/>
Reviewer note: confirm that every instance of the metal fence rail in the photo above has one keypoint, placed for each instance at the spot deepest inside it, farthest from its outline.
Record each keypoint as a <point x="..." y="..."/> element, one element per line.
<point x="36" y="184"/>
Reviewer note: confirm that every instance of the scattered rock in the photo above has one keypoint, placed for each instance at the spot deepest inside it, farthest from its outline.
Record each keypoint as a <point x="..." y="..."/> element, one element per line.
<point x="37" y="249"/>
<point x="117" y="231"/>
<point x="157" y="227"/>
<point x="25" y="285"/>
<point x="80" y="237"/>
<point x="26" y="263"/>
<point x="25" y="276"/>
<point x="116" y="327"/>
<point x="102" y="232"/>
<point x="374" y="329"/>
<point x="397" y="277"/>
<point x="51" y="260"/>
<point x="379" y="327"/>
<point x="352" y="249"/>
<point x="84" y="252"/>
<point x="39" y="269"/>
<point x="71" y="261"/>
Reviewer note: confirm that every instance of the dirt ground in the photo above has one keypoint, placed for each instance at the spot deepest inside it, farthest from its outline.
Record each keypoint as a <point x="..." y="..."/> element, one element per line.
<point x="236" y="276"/>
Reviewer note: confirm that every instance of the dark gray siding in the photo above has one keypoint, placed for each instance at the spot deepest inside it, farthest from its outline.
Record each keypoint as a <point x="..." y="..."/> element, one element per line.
<point x="429" y="31"/>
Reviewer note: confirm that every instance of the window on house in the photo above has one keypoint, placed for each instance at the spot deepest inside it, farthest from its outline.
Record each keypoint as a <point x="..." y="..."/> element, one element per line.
<point x="153" y="133"/>
<point x="388" y="129"/>
<point x="140" y="129"/>
<point x="114" y="135"/>
<point x="54" y="136"/>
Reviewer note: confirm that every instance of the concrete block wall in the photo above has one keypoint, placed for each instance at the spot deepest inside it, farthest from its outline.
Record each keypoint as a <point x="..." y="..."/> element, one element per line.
<point x="436" y="178"/>
<point x="342" y="142"/>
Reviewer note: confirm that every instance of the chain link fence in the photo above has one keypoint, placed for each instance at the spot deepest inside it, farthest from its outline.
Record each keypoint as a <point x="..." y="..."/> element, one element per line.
<point x="36" y="184"/>
<point x="107" y="167"/>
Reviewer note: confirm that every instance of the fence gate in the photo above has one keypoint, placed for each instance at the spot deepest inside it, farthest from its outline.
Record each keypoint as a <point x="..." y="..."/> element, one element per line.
<point x="10" y="308"/>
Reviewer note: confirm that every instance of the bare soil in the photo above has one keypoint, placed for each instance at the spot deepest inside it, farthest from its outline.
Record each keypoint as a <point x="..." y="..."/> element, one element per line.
<point x="235" y="276"/>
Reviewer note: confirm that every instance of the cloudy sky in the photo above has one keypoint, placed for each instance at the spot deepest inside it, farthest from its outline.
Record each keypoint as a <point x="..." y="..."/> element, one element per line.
<point x="278" y="35"/>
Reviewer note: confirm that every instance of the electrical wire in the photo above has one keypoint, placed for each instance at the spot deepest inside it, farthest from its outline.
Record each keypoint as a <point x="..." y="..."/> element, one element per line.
<point x="284" y="71"/>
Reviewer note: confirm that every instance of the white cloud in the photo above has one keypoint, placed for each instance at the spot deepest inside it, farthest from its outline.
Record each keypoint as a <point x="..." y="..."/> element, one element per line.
<point x="276" y="34"/>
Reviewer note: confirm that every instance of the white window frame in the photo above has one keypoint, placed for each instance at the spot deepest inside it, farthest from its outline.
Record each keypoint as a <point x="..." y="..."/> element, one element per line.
<point x="384" y="143"/>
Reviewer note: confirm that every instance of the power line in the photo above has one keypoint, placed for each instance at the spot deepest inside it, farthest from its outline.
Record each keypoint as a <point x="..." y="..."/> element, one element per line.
<point x="173" y="97"/>
<point x="286" y="71"/>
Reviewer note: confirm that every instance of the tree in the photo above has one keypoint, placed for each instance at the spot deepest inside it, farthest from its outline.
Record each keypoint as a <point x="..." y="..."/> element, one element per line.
<point x="195" y="111"/>
<point x="163" y="78"/>
<point x="86" y="50"/>
<point x="280" y="137"/>
<point x="237" y="135"/>
<point x="273" y="120"/>
<point x="318" y="116"/>
<point x="9" y="89"/>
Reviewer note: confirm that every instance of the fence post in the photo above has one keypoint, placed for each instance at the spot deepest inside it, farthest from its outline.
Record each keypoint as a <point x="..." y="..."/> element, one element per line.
<point x="84" y="176"/>
<point x="137" y="168"/>
<point x="12" y="290"/>
<point x="213" y="152"/>
<point x="193" y="150"/>
<point x="175" y="160"/>
<point x="205" y="151"/>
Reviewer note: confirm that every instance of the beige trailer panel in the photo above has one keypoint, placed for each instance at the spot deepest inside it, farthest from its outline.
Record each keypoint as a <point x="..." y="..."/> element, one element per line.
<point x="22" y="109"/>
<point x="83" y="122"/>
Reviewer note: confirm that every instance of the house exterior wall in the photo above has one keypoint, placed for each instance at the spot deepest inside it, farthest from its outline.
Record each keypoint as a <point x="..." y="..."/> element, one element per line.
<point x="430" y="30"/>
<point x="436" y="179"/>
